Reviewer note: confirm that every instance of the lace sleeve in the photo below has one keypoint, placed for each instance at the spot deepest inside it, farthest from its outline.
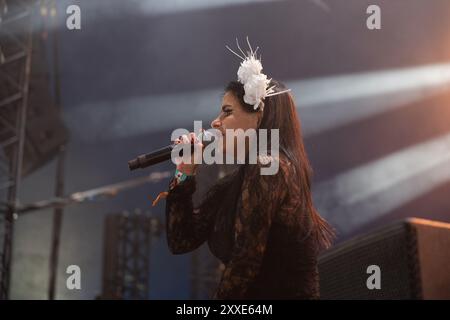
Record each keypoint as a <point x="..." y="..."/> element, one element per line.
<point x="186" y="228"/>
<point x="261" y="197"/>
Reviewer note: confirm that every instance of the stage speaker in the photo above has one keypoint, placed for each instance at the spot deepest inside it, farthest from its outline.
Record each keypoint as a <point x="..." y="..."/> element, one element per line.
<point x="413" y="257"/>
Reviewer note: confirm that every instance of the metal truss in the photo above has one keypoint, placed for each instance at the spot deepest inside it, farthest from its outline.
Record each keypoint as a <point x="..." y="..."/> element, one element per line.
<point x="16" y="45"/>
<point x="127" y="245"/>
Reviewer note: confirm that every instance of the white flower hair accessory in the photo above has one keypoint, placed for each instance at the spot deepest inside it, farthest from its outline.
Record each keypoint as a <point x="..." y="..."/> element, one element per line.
<point x="256" y="84"/>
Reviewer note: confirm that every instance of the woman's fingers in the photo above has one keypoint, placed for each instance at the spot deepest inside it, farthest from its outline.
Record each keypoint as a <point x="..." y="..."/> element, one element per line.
<point x="193" y="138"/>
<point x="188" y="165"/>
<point x="190" y="138"/>
<point x="185" y="139"/>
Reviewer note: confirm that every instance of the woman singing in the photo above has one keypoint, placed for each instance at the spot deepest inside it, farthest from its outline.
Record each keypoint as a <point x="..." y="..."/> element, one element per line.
<point x="264" y="228"/>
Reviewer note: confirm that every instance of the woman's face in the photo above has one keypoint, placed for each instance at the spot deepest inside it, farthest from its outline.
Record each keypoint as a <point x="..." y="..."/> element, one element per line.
<point x="233" y="116"/>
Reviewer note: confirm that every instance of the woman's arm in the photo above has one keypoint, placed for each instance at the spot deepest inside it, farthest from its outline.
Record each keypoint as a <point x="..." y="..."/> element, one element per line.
<point x="261" y="196"/>
<point x="186" y="227"/>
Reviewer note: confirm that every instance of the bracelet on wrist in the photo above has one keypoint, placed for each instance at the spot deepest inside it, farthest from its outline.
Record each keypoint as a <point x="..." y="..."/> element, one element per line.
<point x="181" y="176"/>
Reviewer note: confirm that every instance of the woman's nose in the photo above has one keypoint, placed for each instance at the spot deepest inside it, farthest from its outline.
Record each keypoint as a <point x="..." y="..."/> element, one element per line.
<point x="216" y="123"/>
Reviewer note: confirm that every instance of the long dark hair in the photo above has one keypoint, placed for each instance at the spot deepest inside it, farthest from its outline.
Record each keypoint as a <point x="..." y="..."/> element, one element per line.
<point x="279" y="112"/>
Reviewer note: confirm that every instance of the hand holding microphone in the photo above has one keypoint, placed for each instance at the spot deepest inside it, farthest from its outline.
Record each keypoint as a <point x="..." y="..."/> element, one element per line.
<point x="164" y="154"/>
<point x="190" y="168"/>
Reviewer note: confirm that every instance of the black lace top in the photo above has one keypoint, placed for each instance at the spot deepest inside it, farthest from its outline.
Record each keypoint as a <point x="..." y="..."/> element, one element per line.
<point x="262" y="234"/>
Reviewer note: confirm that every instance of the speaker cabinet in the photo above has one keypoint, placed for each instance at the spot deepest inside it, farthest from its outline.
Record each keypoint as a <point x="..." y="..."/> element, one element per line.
<point x="413" y="257"/>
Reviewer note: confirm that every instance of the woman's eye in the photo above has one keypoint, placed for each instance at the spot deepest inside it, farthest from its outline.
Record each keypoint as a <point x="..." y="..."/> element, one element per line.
<point x="227" y="112"/>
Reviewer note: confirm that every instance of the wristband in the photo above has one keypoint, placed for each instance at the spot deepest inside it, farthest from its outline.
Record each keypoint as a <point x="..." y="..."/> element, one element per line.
<point x="180" y="176"/>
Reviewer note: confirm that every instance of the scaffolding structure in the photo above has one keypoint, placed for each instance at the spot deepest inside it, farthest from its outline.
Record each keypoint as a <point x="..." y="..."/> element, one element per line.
<point x="126" y="260"/>
<point x="16" y="43"/>
<point x="31" y="129"/>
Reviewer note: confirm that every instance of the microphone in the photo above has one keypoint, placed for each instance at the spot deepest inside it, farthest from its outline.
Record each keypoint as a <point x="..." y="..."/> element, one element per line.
<point x="164" y="154"/>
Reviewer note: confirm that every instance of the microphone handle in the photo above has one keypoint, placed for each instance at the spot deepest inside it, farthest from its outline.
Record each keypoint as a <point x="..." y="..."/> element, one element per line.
<point x="161" y="155"/>
<point x="157" y="156"/>
<point x="152" y="158"/>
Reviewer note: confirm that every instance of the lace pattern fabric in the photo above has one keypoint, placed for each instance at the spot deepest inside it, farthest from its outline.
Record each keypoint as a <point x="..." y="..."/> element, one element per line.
<point x="262" y="237"/>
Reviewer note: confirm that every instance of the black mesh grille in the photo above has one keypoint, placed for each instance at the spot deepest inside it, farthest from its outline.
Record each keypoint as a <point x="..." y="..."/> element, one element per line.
<point x="343" y="268"/>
